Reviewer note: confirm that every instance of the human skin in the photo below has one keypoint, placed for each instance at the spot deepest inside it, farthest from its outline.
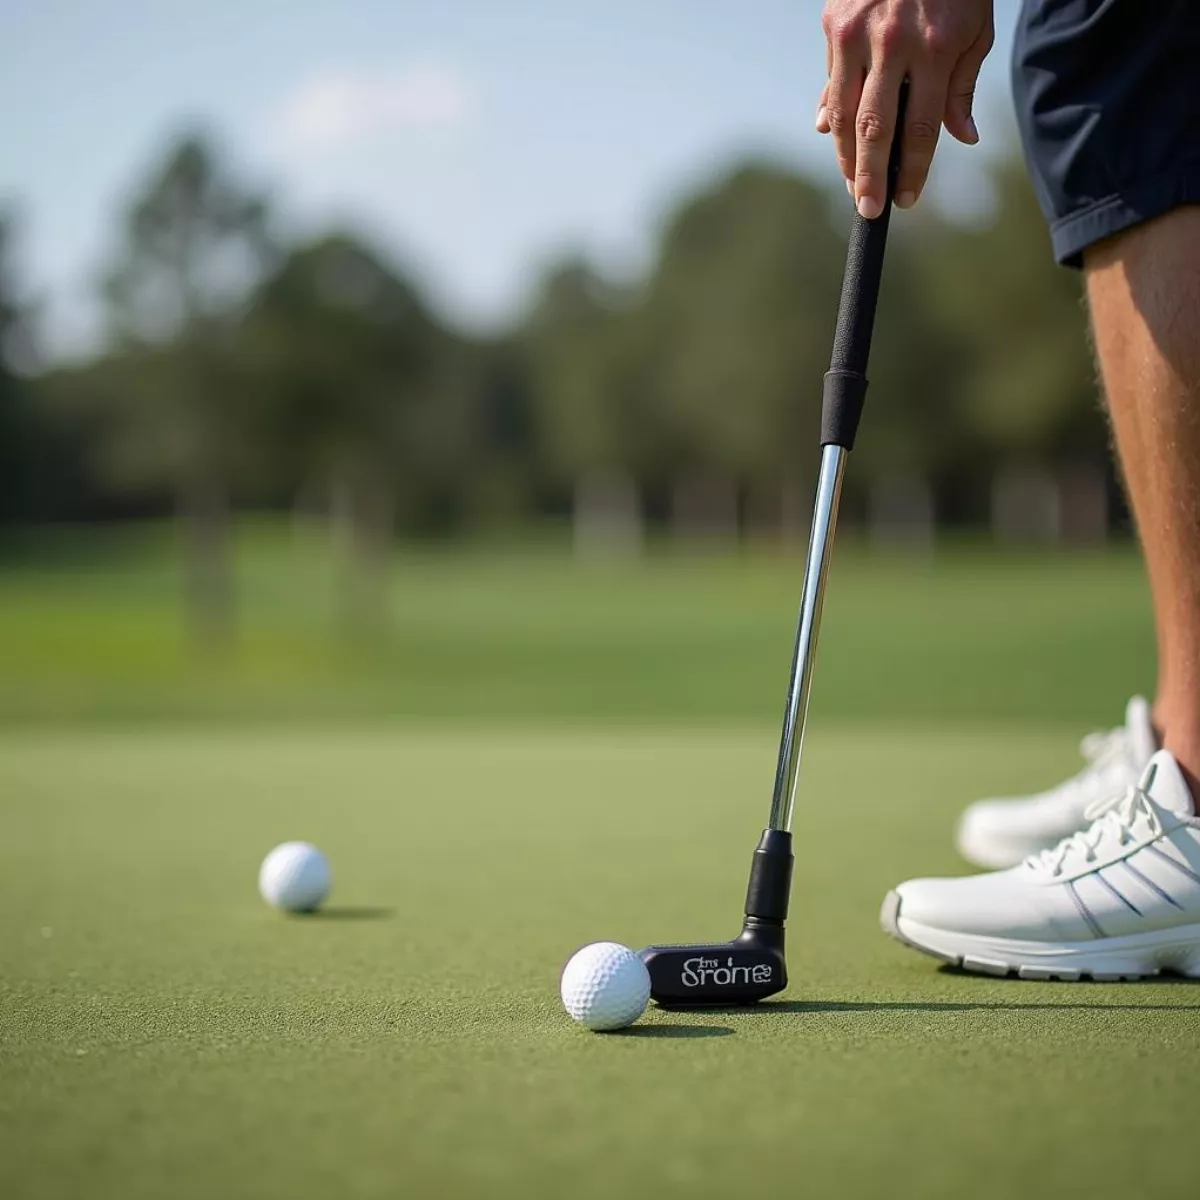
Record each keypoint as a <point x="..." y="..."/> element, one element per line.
<point x="872" y="45"/>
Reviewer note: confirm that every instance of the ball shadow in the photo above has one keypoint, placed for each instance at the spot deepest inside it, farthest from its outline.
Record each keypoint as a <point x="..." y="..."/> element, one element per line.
<point x="674" y="1031"/>
<point x="349" y="912"/>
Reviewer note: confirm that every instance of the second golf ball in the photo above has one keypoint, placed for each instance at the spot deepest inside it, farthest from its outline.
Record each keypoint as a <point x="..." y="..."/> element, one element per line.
<point x="605" y="986"/>
<point x="295" y="877"/>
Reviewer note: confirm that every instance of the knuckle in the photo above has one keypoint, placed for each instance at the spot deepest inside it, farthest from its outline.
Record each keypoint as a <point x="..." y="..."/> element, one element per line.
<point x="938" y="43"/>
<point x="871" y="127"/>
<point x="890" y="37"/>
<point x="839" y="122"/>
<point x="921" y="132"/>
<point x="842" y="31"/>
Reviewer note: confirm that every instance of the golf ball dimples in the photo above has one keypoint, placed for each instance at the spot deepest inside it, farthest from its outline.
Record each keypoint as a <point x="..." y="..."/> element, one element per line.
<point x="294" y="876"/>
<point x="605" y="986"/>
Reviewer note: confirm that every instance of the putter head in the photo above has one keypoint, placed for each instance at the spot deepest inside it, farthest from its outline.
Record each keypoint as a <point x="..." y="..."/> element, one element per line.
<point x="708" y="974"/>
<point x="749" y="968"/>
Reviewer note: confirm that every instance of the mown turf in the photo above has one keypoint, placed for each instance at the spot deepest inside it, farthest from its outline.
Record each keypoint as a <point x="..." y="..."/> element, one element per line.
<point x="94" y="632"/>
<point x="163" y="1034"/>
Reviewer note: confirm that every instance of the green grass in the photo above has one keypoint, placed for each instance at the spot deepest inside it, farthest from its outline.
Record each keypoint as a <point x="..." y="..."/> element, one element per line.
<point x="538" y="753"/>
<point x="162" y="1033"/>
<point x="93" y="632"/>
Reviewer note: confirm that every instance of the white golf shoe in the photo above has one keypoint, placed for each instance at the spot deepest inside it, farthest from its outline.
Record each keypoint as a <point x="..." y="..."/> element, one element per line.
<point x="1002" y="833"/>
<point x="1117" y="900"/>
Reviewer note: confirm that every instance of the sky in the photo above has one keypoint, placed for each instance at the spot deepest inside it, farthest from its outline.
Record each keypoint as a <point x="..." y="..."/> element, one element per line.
<point x="476" y="140"/>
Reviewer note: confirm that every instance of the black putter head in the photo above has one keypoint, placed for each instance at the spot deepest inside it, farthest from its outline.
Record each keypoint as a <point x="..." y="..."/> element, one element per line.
<point x="747" y="969"/>
<point x="743" y="971"/>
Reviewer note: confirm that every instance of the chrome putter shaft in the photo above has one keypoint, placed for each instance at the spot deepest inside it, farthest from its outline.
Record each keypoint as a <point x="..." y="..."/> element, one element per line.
<point x="753" y="966"/>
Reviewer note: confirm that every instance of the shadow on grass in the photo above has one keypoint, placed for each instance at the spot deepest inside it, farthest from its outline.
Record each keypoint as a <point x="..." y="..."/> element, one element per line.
<point x="936" y="1006"/>
<point x="674" y="1031"/>
<point x="349" y="912"/>
<point x="1167" y="976"/>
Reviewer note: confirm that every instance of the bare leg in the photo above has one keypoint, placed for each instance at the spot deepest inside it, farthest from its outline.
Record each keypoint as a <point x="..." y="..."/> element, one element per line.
<point x="1144" y="295"/>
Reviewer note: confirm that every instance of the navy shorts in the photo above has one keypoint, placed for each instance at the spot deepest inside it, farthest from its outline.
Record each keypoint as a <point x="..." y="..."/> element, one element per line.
<point x="1108" y="104"/>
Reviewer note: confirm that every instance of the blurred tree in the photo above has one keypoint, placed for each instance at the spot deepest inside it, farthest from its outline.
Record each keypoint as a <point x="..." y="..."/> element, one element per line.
<point x="586" y="350"/>
<point x="17" y="431"/>
<point x="740" y="311"/>
<point x="1026" y="398"/>
<point x="176" y="411"/>
<point x="368" y="393"/>
<point x="507" y="479"/>
<point x="1031" y="387"/>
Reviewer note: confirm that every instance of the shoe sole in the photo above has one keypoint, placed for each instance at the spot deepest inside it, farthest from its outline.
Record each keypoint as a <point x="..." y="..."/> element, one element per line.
<point x="1106" y="960"/>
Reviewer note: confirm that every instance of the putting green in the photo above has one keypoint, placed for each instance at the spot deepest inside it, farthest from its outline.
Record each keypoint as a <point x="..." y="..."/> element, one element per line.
<point x="162" y="1033"/>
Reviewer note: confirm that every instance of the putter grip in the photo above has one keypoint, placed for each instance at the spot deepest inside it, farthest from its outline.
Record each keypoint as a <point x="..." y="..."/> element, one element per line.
<point x="846" y="380"/>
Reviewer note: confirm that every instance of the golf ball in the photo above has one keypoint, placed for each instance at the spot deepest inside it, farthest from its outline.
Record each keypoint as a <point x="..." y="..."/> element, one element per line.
<point x="605" y="986"/>
<point x="295" y="877"/>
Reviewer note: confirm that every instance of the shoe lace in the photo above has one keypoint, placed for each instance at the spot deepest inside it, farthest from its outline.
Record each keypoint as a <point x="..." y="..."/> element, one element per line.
<point x="1114" y="815"/>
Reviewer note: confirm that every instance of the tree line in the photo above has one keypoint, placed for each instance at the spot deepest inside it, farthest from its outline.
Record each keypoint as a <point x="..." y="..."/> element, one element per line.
<point x="241" y="369"/>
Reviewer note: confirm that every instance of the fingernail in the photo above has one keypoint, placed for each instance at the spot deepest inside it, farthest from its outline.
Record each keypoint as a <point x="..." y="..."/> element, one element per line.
<point x="906" y="199"/>
<point x="850" y="189"/>
<point x="869" y="208"/>
<point x="820" y="116"/>
<point x="973" y="128"/>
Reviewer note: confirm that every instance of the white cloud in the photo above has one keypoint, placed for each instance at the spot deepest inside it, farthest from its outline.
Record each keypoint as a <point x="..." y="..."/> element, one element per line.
<point x="339" y="106"/>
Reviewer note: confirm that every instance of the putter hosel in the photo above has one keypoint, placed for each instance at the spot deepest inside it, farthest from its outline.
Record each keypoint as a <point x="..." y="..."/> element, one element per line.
<point x="770" y="885"/>
<point x="742" y="971"/>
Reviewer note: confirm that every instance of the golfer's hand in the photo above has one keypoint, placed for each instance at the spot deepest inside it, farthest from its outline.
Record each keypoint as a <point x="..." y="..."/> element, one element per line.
<point x="872" y="45"/>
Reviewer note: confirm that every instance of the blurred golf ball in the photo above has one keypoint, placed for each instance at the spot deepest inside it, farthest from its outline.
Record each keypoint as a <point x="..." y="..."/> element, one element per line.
<point x="295" y="877"/>
<point x="605" y="986"/>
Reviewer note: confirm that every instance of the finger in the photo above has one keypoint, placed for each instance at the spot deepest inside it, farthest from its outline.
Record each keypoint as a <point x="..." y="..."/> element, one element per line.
<point x="922" y="124"/>
<point x="822" y="115"/>
<point x="960" y="100"/>
<point x="874" y="129"/>
<point x="843" y="94"/>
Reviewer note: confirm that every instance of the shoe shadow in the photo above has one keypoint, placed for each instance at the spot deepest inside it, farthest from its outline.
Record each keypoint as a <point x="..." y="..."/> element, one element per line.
<point x="936" y="1006"/>
<point x="674" y="1031"/>
<point x="349" y="912"/>
<point x="1168" y="976"/>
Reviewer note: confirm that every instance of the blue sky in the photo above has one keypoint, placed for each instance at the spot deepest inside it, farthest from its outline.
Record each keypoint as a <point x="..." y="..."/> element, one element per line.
<point x="475" y="138"/>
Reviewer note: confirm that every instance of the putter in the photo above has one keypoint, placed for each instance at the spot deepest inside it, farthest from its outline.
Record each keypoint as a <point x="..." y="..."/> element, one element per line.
<point x="753" y="965"/>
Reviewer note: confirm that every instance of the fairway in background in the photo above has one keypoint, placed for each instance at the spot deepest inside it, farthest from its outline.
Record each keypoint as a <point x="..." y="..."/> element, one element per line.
<point x="92" y="630"/>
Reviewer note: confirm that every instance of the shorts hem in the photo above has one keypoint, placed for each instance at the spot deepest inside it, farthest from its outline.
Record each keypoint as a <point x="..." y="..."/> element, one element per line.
<point x="1071" y="236"/>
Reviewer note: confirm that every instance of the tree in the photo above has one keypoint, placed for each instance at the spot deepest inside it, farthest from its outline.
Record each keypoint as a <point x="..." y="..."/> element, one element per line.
<point x="740" y="310"/>
<point x="176" y="411"/>
<point x="1025" y="394"/>
<point x="587" y="357"/>
<point x="17" y="433"/>
<point x="365" y="390"/>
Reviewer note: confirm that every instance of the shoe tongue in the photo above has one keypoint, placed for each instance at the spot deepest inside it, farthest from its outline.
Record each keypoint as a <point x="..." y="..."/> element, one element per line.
<point x="1163" y="782"/>
<point x="1142" y="742"/>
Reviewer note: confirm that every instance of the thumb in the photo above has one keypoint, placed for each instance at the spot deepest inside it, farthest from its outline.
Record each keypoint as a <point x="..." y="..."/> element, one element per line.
<point x="960" y="98"/>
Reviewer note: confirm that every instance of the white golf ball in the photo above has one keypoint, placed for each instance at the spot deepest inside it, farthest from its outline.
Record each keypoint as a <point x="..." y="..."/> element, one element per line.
<point x="605" y="986"/>
<point x="295" y="877"/>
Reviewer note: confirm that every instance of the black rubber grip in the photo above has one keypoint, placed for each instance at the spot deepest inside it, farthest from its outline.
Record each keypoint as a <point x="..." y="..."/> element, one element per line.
<point x="846" y="381"/>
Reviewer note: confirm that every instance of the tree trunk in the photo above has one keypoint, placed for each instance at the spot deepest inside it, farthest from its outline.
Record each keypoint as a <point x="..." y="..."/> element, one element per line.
<point x="1083" y="491"/>
<point x="608" y="514"/>
<point x="705" y="509"/>
<point x="1026" y="505"/>
<point x="369" y="545"/>
<point x="208" y="569"/>
<point x="901" y="512"/>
